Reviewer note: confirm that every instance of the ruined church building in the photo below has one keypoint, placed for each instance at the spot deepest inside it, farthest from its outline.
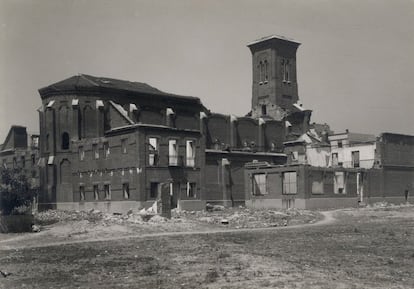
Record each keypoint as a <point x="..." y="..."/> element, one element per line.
<point x="112" y="145"/>
<point x="109" y="144"/>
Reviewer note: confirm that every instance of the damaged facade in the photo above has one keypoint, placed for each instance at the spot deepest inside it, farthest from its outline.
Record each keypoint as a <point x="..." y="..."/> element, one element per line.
<point x="362" y="170"/>
<point x="110" y="144"/>
<point x="114" y="145"/>
<point x="21" y="150"/>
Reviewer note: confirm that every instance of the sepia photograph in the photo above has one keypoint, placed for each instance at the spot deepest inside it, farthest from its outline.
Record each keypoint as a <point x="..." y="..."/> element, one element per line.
<point x="207" y="144"/>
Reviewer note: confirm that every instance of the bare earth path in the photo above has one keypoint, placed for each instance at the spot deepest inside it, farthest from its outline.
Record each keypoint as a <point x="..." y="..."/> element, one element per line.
<point x="14" y="243"/>
<point x="367" y="248"/>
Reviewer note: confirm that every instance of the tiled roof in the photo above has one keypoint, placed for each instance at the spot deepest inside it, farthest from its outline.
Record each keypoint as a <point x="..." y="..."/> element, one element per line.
<point x="83" y="82"/>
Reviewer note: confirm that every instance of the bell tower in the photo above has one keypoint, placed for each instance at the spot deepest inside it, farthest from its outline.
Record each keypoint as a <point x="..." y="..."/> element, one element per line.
<point x="274" y="88"/>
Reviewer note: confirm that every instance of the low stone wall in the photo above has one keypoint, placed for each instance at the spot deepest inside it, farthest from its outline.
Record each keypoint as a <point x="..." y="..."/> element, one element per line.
<point x="16" y="223"/>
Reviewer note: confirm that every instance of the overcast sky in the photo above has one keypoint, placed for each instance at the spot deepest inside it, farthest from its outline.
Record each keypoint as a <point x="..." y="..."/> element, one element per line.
<point x="355" y="64"/>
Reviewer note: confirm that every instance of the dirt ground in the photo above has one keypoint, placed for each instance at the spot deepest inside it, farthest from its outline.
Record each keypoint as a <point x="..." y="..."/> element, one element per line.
<point x="360" y="248"/>
<point x="61" y="227"/>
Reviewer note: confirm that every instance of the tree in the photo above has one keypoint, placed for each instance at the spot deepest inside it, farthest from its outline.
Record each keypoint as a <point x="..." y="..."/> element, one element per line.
<point x="15" y="190"/>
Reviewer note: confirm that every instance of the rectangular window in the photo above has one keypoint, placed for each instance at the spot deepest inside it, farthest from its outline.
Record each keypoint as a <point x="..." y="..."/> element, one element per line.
<point x="335" y="159"/>
<point x="124" y="145"/>
<point x="172" y="152"/>
<point x="190" y="153"/>
<point x="81" y="193"/>
<point x="14" y="162"/>
<point x="5" y="163"/>
<point x="23" y="161"/>
<point x="289" y="183"/>
<point x="339" y="144"/>
<point x="259" y="184"/>
<point x="191" y="190"/>
<point x="339" y="183"/>
<point x="107" y="190"/>
<point x="264" y="109"/>
<point x="355" y="159"/>
<point x="125" y="190"/>
<point x="106" y="149"/>
<point x="95" y="151"/>
<point x="33" y="159"/>
<point x="81" y="153"/>
<point x="153" y="151"/>
<point x="154" y="190"/>
<point x="96" y="192"/>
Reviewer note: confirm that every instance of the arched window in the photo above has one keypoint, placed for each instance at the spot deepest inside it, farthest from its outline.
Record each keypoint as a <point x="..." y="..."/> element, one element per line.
<point x="65" y="141"/>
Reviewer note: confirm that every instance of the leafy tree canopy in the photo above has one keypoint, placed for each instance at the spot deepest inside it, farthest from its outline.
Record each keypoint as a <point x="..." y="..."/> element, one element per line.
<point x="15" y="190"/>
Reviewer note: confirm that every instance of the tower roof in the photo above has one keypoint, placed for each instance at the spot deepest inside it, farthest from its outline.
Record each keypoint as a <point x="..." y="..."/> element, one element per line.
<point x="273" y="38"/>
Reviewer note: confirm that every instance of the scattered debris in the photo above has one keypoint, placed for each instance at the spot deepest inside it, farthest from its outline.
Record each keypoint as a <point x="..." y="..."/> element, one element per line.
<point x="225" y="221"/>
<point x="35" y="228"/>
<point x="5" y="274"/>
<point x="216" y="215"/>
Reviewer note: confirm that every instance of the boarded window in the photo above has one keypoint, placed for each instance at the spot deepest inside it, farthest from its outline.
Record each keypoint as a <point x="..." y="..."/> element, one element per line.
<point x="190" y="153"/>
<point x="289" y="183"/>
<point x="259" y="184"/>
<point x="317" y="187"/>
<point x="317" y="182"/>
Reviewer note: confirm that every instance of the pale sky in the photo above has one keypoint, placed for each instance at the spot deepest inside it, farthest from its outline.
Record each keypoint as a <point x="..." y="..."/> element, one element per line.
<point x="355" y="64"/>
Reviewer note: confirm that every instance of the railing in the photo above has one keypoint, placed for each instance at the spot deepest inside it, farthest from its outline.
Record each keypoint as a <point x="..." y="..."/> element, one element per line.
<point x="349" y="164"/>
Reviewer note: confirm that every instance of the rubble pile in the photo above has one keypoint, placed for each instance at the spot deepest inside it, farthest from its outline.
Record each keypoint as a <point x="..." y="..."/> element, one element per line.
<point x="94" y="216"/>
<point x="248" y="218"/>
<point x="214" y="216"/>
<point x="52" y="216"/>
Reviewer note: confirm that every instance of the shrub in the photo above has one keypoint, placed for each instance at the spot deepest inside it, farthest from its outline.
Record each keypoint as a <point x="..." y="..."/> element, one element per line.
<point x="15" y="191"/>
